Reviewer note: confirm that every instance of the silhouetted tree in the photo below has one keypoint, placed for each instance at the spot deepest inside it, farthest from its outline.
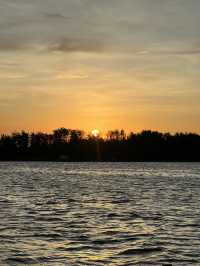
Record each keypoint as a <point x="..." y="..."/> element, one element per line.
<point x="74" y="145"/>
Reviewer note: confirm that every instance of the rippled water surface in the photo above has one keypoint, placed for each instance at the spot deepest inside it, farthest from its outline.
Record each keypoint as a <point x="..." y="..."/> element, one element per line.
<point x="99" y="214"/>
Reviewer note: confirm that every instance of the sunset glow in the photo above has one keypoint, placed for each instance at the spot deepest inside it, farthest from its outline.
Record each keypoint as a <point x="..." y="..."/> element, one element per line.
<point x="130" y="64"/>
<point x="95" y="132"/>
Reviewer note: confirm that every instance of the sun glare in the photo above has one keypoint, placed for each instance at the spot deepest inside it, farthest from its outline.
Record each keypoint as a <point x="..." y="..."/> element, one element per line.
<point x="95" y="133"/>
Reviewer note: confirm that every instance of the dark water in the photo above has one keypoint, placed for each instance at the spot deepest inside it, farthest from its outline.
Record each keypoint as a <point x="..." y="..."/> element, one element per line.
<point x="99" y="214"/>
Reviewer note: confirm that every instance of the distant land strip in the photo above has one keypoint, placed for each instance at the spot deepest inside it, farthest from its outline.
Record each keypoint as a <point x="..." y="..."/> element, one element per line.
<point x="116" y="146"/>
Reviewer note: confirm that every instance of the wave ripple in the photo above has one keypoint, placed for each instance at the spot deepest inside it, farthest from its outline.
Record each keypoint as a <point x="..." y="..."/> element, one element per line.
<point x="112" y="214"/>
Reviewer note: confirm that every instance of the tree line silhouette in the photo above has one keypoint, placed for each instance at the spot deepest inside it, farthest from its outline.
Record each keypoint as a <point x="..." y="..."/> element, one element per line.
<point x="74" y="145"/>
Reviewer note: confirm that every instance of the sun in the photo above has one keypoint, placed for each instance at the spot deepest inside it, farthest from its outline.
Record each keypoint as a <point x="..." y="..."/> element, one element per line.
<point x="95" y="132"/>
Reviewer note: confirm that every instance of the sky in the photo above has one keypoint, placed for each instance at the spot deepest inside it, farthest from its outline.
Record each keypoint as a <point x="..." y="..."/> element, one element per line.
<point x="105" y="64"/>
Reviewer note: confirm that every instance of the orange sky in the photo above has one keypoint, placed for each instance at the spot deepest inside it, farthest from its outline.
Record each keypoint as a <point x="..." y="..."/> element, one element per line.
<point x="100" y="64"/>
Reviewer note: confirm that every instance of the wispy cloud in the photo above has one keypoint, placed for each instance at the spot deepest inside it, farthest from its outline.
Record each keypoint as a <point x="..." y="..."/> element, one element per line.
<point x="78" y="45"/>
<point x="125" y="58"/>
<point x="92" y="26"/>
<point x="66" y="76"/>
<point x="10" y="44"/>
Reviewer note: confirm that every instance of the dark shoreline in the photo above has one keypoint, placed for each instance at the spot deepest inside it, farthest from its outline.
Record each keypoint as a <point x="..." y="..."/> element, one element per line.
<point x="67" y="145"/>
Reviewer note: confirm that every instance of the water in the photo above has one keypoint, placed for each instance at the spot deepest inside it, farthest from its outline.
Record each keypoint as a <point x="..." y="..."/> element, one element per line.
<point x="99" y="214"/>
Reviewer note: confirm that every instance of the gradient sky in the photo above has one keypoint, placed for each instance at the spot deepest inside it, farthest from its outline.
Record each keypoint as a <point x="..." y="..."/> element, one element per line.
<point x="106" y="64"/>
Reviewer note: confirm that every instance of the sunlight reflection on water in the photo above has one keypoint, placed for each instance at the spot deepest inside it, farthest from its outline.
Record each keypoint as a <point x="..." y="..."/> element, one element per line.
<point x="99" y="213"/>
